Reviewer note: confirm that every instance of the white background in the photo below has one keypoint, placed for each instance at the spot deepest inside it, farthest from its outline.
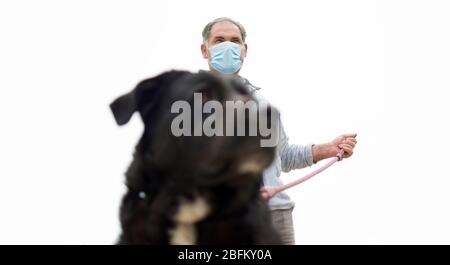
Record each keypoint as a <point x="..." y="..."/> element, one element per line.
<point x="378" y="68"/>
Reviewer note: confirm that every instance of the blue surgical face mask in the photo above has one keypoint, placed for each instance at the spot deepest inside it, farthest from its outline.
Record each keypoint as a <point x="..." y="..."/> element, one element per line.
<point x="226" y="57"/>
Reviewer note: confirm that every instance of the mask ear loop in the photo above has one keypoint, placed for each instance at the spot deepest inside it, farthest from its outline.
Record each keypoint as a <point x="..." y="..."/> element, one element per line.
<point x="268" y="192"/>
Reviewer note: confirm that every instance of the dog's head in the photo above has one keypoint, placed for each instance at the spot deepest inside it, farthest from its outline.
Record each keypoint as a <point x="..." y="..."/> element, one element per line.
<point x="193" y="157"/>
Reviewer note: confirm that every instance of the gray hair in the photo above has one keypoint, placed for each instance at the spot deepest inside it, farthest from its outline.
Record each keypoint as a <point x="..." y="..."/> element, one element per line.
<point x="207" y="30"/>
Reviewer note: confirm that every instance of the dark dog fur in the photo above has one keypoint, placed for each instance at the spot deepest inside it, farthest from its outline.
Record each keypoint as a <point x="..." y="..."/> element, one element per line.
<point x="191" y="189"/>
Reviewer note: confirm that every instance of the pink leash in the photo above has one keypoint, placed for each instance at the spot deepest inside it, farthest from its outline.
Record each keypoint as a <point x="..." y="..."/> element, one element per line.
<point x="269" y="192"/>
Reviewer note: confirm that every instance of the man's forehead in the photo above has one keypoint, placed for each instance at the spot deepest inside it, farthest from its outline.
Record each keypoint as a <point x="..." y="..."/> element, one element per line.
<point x="225" y="28"/>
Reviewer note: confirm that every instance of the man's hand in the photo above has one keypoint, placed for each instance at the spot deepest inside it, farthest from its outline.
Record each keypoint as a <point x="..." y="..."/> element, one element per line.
<point x="345" y="142"/>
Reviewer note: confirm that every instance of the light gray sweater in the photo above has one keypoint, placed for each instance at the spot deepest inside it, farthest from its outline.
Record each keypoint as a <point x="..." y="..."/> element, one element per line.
<point x="288" y="157"/>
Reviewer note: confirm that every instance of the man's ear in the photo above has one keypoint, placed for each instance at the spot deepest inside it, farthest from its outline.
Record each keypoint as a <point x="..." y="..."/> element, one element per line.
<point x="244" y="51"/>
<point x="204" y="51"/>
<point x="124" y="107"/>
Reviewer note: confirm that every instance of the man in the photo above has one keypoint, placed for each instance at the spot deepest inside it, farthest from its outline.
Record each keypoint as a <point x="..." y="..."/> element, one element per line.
<point x="225" y="49"/>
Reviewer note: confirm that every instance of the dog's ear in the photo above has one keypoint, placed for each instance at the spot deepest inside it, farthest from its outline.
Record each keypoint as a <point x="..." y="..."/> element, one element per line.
<point x="143" y="98"/>
<point x="140" y="99"/>
<point x="124" y="107"/>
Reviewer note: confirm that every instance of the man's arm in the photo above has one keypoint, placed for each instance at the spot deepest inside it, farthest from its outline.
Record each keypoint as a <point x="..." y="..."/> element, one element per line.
<point x="293" y="156"/>
<point x="299" y="156"/>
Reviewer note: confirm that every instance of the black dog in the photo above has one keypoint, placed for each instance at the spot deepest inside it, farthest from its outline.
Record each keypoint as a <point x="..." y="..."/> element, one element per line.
<point x="191" y="189"/>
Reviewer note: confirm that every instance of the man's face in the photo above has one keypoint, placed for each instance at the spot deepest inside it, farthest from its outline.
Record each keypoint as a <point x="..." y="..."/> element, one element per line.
<point x="224" y="31"/>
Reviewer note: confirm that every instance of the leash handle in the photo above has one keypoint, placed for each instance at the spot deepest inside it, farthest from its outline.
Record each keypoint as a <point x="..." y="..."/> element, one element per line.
<point x="268" y="192"/>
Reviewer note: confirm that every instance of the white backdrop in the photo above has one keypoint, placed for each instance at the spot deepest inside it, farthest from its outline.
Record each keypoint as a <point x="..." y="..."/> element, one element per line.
<point x="378" y="68"/>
